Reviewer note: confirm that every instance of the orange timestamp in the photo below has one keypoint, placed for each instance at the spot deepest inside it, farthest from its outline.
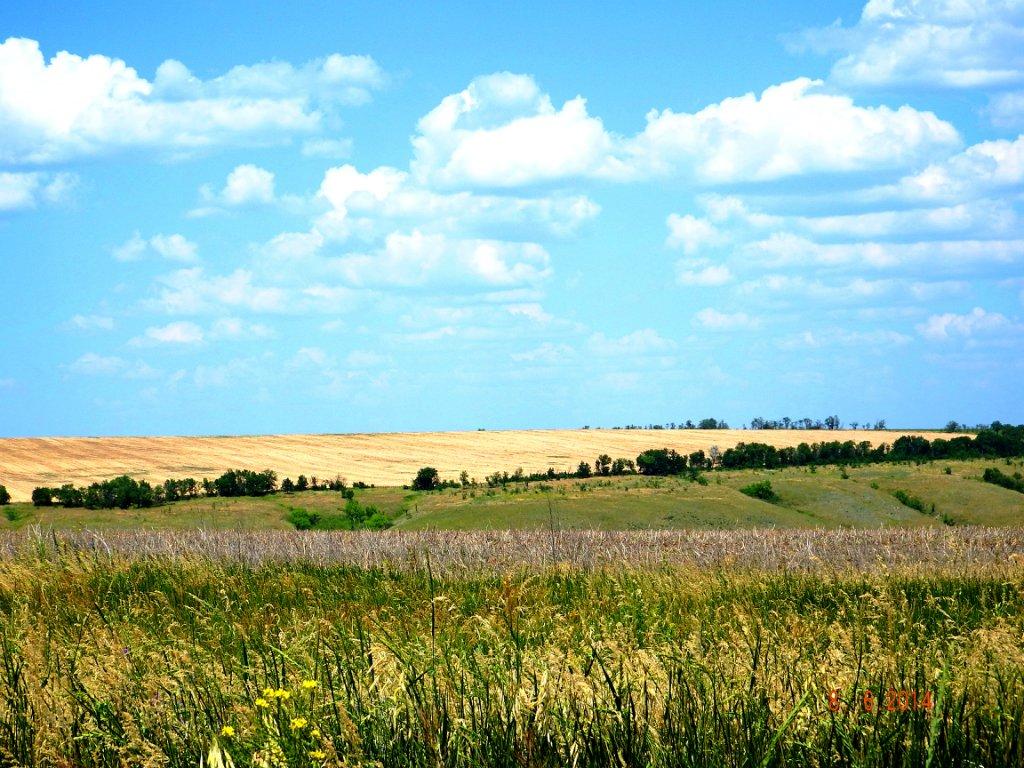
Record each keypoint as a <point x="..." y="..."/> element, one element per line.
<point x="892" y="700"/>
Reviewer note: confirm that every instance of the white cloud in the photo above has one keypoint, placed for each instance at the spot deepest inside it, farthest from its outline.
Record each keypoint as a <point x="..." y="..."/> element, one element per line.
<point x="92" y="364"/>
<point x="547" y="352"/>
<point x="1006" y="110"/>
<point x="982" y="168"/>
<point x="73" y="106"/>
<point x="531" y="311"/>
<point x="794" y="128"/>
<point x="643" y="342"/>
<point x="371" y="205"/>
<point x="235" y="328"/>
<point x="332" y="149"/>
<point x="723" y="321"/>
<point x="248" y="185"/>
<point x="172" y="247"/>
<point x="503" y="131"/>
<point x="26" y="190"/>
<point x="839" y="337"/>
<point x="361" y="358"/>
<point x="193" y="291"/>
<point x="417" y="258"/>
<point x="943" y="43"/>
<point x="180" y="332"/>
<point x="706" y="276"/>
<point x="691" y="233"/>
<point x="90" y="323"/>
<point x="976" y="322"/>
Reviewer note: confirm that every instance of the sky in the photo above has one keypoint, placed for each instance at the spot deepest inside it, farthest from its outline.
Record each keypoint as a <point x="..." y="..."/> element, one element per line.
<point x="246" y="218"/>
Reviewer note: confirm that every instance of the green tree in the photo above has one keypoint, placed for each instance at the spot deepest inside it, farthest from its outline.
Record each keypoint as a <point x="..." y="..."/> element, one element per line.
<point x="5" y="496"/>
<point x="427" y="479"/>
<point x="583" y="470"/>
<point x="603" y="464"/>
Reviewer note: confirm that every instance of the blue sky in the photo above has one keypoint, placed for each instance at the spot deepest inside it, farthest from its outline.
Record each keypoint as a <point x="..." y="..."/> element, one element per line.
<point x="249" y="218"/>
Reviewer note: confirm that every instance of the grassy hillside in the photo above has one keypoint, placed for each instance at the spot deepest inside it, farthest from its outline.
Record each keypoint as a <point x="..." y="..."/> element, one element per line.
<point x="381" y="459"/>
<point x="822" y="498"/>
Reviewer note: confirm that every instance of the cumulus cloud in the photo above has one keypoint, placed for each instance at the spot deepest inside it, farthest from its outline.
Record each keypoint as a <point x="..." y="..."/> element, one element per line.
<point x="794" y="128"/>
<point x="714" y="320"/>
<point x="974" y="323"/>
<point x="643" y="342"/>
<point x="983" y="168"/>
<point x="27" y="190"/>
<point x="180" y="332"/>
<point x="502" y="131"/>
<point x="332" y="149"/>
<point x="72" y="106"/>
<point x="939" y="43"/>
<point x="193" y="291"/>
<point x="248" y="185"/>
<point x="90" y="323"/>
<point x="171" y="247"/>
<point x="368" y="204"/>
<point x="417" y="258"/>
<point x="93" y="364"/>
<point x="691" y="233"/>
<point x="705" y="276"/>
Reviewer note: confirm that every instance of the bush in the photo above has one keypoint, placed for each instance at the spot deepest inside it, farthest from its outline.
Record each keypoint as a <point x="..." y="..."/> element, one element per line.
<point x="996" y="477"/>
<point x="427" y="479"/>
<point x="42" y="497"/>
<point x="907" y="500"/>
<point x="762" y="490"/>
<point x="5" y="496"/>
<point x="303" y="519"/>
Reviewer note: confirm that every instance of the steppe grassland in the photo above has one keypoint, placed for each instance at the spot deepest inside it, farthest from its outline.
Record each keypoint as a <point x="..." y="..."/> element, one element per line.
<point x="381" y="459"/>
<point x="500" y="649"/>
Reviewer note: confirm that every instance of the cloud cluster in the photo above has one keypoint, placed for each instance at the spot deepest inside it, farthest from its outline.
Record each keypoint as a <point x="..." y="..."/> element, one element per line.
<point x="939" y="43"/>
<point x="70" y="106"/>
<point x="503" y="131"/>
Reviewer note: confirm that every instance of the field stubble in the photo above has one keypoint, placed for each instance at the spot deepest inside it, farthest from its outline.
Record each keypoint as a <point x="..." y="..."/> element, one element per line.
<point x="382" y="459"/>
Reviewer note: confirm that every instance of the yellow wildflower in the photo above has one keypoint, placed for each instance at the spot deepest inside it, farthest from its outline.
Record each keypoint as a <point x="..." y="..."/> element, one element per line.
<point x="309" y="684"/>
<point x="298" y="723"/>
<point x="227" y="730"/>
<point x="315" y="733"/>
<point x="318" y="754"/>
<point x="282" y="694"/>
<point x="261" y="702"/>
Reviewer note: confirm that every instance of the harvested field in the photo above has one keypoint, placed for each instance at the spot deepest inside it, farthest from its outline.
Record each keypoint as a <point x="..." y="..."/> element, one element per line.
<point x="381" y="459"/>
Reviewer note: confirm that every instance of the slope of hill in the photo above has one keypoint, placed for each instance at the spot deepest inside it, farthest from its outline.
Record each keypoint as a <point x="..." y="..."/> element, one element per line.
<point x="381" y="459"/>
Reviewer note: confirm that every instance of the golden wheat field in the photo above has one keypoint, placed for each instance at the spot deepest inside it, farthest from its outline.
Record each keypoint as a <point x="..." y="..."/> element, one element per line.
<point x="381" y="459"/>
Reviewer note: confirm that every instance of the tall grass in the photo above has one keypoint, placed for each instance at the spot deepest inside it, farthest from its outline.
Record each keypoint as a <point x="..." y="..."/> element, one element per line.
<point x="112" y="660"/>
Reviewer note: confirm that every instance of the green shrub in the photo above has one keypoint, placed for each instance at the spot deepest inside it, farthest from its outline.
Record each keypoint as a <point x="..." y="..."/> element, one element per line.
<point x="907" y="500"/>
<point x="996" y="477"/>
<point x="5" y="496"/>
<point x="762" y="490"/>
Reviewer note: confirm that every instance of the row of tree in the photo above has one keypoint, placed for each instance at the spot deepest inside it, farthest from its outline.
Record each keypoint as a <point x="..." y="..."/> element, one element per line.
<point x="124" y="492"/>
<point x="995" y="440"/>
<point x="758" y="422"/>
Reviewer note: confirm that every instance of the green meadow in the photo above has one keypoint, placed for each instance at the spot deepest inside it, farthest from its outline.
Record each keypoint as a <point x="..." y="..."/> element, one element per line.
<point x="857" y="497"/>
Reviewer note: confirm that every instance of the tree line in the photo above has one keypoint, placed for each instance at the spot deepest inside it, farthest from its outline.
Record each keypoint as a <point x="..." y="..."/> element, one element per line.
<point x="994" y="441"/>
<point x="125" y="492"/>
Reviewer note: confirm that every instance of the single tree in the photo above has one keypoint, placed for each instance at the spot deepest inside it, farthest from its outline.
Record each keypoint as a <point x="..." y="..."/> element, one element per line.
<point x="427" y="479"/>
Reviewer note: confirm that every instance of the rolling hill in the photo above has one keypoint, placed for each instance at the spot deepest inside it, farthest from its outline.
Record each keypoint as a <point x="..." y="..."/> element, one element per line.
<point x="382" y="459"/>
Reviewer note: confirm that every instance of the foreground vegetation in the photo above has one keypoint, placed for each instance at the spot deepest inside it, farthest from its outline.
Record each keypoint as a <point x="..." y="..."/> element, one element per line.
<point x="110" y="658"/>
